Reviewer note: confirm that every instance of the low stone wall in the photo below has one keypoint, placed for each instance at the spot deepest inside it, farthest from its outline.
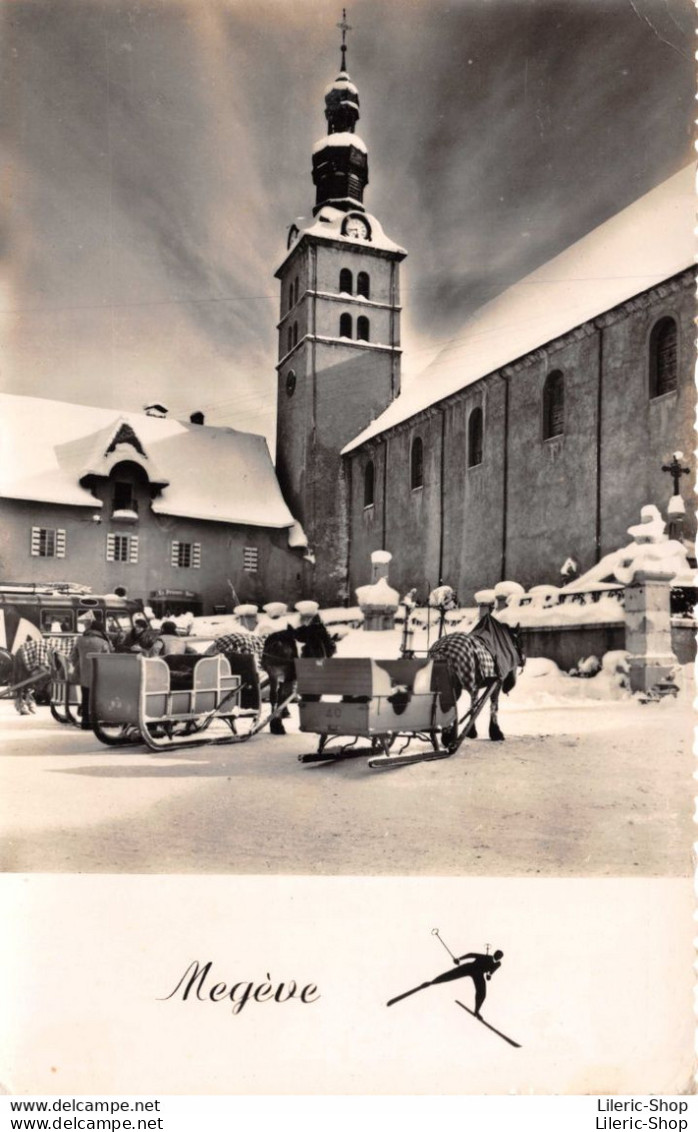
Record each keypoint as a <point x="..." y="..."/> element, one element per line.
<point x="568" y="644"/>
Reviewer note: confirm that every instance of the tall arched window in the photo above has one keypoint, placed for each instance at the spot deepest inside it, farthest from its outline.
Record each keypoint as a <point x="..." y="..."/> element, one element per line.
<point x="663" y="357"/>
<point x="295" y="291"/>
<point x="295" y="334"/>
<point x="363" y="285"/>
<point x="475" y="436"/>
<point x="290" y="339"/>
<point x="346" y="281"/>
<point x="369" y="484"/>
<point x="417" y="463"/>
<point x="345" y="326"/>
<point x="363" y="328"/>
<point x="553" y="405"/>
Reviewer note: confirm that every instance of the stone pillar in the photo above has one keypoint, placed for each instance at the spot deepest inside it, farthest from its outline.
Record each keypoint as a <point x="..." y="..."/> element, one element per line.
<point x="648" y="629"/>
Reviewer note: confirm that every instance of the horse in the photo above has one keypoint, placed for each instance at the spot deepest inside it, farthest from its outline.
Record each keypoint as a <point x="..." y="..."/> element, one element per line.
<point x="490" y="654"/>
<point x="279" y="656"/>
<point x="30" y="675"/>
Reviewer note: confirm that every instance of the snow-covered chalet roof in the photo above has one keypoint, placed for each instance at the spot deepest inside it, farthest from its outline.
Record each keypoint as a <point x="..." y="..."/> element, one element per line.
<point x="213" y="473"/>
<point x="641" y="246"/>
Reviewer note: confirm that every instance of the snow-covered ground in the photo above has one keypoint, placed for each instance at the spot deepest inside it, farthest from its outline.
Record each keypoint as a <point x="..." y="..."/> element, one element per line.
<point x="589" y="782"/>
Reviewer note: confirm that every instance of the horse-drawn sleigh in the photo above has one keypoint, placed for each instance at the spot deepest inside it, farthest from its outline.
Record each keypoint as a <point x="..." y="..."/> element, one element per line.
<point x="397" y="702"/>
<point x="176" y="701"/>
<point x="213" y="695"/>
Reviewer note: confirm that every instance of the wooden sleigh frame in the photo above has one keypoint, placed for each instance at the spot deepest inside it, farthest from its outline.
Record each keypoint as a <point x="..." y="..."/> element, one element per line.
<point x="386" y="702"/>
<point x="169" y="703"/>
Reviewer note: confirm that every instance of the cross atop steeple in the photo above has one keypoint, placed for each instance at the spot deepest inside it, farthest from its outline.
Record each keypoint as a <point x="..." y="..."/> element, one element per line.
<point x="344" y="27"/>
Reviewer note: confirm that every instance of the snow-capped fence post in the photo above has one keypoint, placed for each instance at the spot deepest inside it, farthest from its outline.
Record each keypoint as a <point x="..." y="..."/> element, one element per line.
<point x="378" y="602"/>
<point x="485" y="602"/>
<point x="504" y="590"/>
<point x="308" y="610"/>
<point x="380" y="565"/>
<point x="247" y="616"/>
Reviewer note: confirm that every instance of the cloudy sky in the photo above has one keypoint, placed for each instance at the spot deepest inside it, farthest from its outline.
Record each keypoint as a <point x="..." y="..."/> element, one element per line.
<point x="155" y="152"/>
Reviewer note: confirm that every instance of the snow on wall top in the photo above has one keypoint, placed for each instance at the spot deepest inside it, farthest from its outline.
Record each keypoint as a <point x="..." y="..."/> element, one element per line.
<point x="647" y="242"/>
<point x="212" y="473"/>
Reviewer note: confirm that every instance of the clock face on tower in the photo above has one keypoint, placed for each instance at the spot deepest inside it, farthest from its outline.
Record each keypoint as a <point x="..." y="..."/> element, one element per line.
<point x="357" y="228"/>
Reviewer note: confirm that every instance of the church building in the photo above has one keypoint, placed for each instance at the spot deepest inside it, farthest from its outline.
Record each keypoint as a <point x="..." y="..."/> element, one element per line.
<point x="536" y="439"/>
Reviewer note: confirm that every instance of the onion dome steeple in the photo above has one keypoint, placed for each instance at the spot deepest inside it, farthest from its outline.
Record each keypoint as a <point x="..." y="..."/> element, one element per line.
<point x="340" y="160"/>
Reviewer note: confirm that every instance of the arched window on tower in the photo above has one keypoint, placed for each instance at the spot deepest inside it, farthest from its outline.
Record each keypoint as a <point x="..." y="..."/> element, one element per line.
<point x="289" y="338"/>
<point x="663" y="357"/>
<point x="346" y="281"/>
<point x="345" y="326"/>
<point x="295" y="334"/>
<point x="553" y="405"/>
<point x="475" y="437"/>
<point x="295" y="291"/>
<point x="363" y="328"/>
<point x="363" y="285"/>
<point x="369" y="484"/>
<point x="417" y="463"/>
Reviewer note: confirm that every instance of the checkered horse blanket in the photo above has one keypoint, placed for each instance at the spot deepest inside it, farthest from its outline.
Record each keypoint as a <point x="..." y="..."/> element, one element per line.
<point x="467" y="659"/>
<point x="37" y="654"/>
<point x="238" y="642"/>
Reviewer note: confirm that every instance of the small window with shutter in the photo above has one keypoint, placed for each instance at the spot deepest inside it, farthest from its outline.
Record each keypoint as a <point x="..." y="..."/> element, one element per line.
<point x="47" y="542"/>
<point x="186" y="554"/>
<point x="122" y="548"/>
<point x="250" y="559"/>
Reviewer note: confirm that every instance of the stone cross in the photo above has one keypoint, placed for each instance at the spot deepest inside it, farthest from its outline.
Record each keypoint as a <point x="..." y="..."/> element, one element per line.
<point x="676" y="471"/>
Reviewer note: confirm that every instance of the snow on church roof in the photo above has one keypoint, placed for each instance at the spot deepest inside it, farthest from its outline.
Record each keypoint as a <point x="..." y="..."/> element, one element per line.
<point x="647" y="242"/>
<point x="212" y="473"/>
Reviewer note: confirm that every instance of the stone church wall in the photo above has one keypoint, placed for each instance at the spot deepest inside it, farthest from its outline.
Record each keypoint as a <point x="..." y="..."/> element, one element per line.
<point x="556" y="505"/>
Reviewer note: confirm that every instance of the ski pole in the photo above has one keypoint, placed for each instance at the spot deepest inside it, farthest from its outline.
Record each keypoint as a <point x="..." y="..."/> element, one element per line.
<point x="435" y="931"/>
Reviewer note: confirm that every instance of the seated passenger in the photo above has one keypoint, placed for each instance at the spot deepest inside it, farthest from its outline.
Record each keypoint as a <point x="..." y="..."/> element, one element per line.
<point x="168" y="643"/>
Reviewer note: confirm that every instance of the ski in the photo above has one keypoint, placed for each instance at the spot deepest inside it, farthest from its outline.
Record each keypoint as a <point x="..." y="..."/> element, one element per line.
<point x="489" y="1027"/>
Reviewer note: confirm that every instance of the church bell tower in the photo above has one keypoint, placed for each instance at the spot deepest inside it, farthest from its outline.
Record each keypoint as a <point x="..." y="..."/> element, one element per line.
<point x="339" y="338"/>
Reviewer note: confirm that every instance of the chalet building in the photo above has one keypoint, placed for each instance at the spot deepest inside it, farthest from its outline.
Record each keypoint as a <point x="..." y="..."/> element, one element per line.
<point x="535" y="437"/>
<point x="183" y="515"/>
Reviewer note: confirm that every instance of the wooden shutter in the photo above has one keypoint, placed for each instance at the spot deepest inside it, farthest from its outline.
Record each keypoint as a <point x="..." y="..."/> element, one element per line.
<point x="111" y="543"/>
<point x="133" y="549"/>
<point x="174" y="556"/>
<point x="196" y="555"/>
<point x="60" y="543"/>
<point x="35" y="541"/>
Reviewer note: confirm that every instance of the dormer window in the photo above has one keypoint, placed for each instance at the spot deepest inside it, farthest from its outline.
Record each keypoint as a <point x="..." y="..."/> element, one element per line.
<point x="123" y="496"/>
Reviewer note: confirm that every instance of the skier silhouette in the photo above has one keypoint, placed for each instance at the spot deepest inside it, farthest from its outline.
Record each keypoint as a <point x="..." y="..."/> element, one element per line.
<point x="478" y="967"/>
